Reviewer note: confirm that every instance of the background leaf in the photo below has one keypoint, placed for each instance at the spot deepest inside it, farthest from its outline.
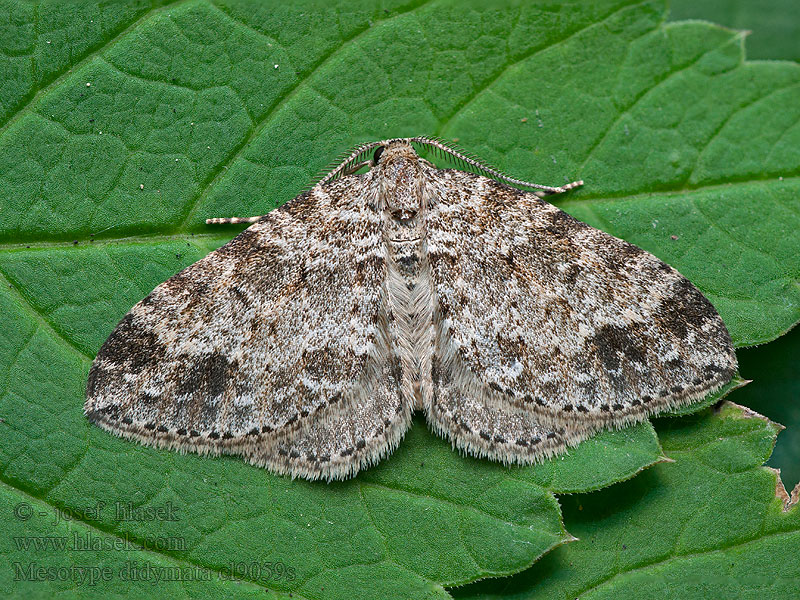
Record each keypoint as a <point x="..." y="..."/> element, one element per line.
<point x="708" y="525"/>
<point x="774" y="25"/>
<point x="774" y="33"/>
<point x="123" y="135"/>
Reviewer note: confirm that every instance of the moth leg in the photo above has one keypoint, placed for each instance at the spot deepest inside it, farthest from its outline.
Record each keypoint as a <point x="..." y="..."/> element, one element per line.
<point x="571" y="185"/>
<point x="232" y="220"/>
<point x="564" y="188"/>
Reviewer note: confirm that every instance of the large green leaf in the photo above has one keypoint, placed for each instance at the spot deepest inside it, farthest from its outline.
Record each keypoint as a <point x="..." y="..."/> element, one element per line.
<point x="124" y="134"/>
<point x="708" y="525"/>
<point x="774" y="33"/>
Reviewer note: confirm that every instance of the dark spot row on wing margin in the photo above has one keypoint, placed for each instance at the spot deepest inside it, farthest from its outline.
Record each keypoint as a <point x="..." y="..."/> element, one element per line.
<point x="112" y="412"/>
<point x="499" y="439"/>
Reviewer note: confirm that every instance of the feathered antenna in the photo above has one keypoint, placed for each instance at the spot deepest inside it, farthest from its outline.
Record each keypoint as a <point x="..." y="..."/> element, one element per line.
<point x="348" y="163"/>
<point x="360" y="157"/>
<point x="471" y="163"/>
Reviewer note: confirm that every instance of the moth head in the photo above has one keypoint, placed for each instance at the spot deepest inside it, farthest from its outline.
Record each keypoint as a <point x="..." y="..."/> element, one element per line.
<point x="399" y="171"/>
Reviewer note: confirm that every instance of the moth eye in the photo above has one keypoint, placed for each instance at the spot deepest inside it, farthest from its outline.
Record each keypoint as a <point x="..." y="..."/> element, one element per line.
<point x="376" y="156"/>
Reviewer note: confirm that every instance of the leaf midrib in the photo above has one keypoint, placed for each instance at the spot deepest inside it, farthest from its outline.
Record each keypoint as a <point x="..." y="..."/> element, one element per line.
<point x="67" y="241"/>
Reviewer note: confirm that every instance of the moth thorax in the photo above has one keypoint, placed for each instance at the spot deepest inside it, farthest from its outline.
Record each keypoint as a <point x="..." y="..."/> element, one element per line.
<point x="402" y="198"/>
<point x="403" y="228"/>
<point x="402" y="181"/>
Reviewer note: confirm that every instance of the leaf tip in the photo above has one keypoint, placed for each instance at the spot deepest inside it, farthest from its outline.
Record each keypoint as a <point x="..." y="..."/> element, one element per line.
<point x="749" y="413"/>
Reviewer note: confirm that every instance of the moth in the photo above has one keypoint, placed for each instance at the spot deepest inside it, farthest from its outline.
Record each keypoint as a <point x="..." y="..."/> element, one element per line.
<point x="307" y="342"/>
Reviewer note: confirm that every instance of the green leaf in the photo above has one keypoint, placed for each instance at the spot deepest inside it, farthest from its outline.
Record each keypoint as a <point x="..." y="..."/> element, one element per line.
<point x="122" y="135"/>
<point x="775" y="389"/>
<point x="37" y="542"/>
<point x="707" y="525"/>
<point x="773" y="26"/>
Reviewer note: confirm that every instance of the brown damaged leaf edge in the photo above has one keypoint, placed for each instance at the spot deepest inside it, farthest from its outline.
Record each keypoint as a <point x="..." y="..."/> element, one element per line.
<point x="789" y="500"/>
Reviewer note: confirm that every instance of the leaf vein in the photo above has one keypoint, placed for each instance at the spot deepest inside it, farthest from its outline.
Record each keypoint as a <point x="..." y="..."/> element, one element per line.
<point x="258" y="127"/>
<point x="43" y="322"/>
<point x="669" y="559"/>
<point x="78" y="518"/>
<point x="738" y="110"/>
<point x="57" y="78"/>
<point x="530" y="54"/>
<point x="449" y="501"/>
<point x="644" y="94"/>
